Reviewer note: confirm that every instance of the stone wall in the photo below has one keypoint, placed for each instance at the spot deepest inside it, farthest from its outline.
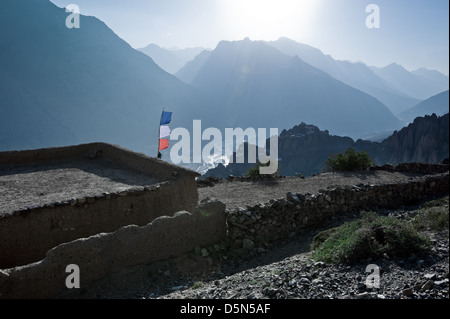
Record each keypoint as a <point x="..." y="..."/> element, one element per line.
<point x="27" y="235"/>
<point x="417" y="168"/>
<point x="251" y="227"/>
<point x="106" y="253"/>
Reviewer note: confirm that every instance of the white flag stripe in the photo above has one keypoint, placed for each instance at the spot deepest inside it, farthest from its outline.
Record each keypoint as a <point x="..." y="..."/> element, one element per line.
<point x="164" y="131"/>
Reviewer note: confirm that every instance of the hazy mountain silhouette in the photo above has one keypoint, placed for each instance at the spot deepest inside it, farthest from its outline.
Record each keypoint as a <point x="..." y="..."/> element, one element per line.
<point x="61" y="86"/>
<point x="420" y="84"/>
<point x="188" y="72"/>
<point x="438" y="104"/>
<point x="435" y="78"/>
<point x="357" y="75"/>
<point x="171" y="60"/>
<point x="257" y="85"/>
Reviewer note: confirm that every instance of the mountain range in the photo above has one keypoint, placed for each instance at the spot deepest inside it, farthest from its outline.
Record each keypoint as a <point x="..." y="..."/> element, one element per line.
<point x="357" y="75"/>
<point x="392" y="85"/>
<point x="61" y="86"/>
<point x="256" y="85"/>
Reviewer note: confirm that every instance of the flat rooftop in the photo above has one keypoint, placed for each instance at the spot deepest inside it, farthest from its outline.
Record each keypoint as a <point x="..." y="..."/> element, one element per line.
<point x="35" y="178"/>
<point x="45" y="183"/>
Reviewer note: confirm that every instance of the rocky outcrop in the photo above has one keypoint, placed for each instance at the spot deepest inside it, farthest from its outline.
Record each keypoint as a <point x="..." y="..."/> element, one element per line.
<point x="305" y="148"/>
<point x="426" y="140"/>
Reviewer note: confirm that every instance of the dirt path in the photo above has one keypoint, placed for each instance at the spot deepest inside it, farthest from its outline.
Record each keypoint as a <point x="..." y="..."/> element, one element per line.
<point x="241" y="193"/>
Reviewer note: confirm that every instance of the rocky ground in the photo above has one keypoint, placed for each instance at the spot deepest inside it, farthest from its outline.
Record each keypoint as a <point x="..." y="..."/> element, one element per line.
<point x="284" y="270"/>
<point x="299" y="277"/>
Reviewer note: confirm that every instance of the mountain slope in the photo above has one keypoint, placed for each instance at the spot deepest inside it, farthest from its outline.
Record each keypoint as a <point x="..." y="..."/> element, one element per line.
<point x="434" y="77"/>
<point x="258" y="86"/>
<point x="61" y="86"/>
<point x="438" y="104"/>
<point x="170" y="60"/>
<point x="420" y="84"/>
<point x="357" y="75"/>
<point x="188" y="72"/>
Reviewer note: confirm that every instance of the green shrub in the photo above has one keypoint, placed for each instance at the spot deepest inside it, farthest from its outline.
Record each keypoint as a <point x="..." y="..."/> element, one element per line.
<point x="300" y="175"/>
<point x="369" y="237"/>
<point x="198" y="284"/>
<point x="433" y="215"/>
<point x="254" y="171"/>
<point x="349" y="161"/>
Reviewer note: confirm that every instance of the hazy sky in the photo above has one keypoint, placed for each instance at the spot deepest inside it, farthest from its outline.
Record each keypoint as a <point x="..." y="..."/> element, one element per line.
<point x="413" y="33"/>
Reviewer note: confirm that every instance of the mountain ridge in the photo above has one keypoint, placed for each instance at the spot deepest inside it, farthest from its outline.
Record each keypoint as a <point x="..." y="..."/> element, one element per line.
<point x="358" y="75"/>
<point x="438" y="104"/>
<point x="304" y="148"/>
<point x="253" y="79"/>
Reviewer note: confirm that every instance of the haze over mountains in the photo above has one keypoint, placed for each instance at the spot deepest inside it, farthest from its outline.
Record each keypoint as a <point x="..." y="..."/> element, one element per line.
<point x="358" y="75"/>
<point x="437" y="104"/>
<point x="61" y="86"/>
<point x="258" y="85"/>
<point x="392" y="85"/>
<point x="171" y="60"/>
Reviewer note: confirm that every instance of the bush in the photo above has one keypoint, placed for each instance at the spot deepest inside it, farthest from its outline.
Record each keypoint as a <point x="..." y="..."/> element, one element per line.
<point x="433" y="215"/>
<point x="300" y="175"/>
<point x="254" y="171"/>
<point x="198" y="284"/>
<point x="349" y="161"/>
<point x="370" y="237"/>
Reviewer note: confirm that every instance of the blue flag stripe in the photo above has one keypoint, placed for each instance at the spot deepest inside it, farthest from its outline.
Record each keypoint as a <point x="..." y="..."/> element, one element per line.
<point x="166" y="117"/>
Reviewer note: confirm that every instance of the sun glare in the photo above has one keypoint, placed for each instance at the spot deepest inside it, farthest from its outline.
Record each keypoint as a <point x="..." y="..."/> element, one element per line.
<point x="269" y="19"/>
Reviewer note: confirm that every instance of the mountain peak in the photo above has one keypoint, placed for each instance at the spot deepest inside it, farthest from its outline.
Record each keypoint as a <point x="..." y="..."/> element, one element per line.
<point x="301" y="130"/>
<point x="286" y="39"/>
<point x="395" y="66"/>
<point x="260" y="82"/>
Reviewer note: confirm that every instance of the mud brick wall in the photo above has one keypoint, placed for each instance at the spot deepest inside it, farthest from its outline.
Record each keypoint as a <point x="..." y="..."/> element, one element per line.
<point x="106" y="253"/>
<point x="26" y="235"/>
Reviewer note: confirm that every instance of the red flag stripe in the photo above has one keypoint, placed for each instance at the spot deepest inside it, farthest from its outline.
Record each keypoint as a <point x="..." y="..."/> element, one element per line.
<point x="163" y="144"/>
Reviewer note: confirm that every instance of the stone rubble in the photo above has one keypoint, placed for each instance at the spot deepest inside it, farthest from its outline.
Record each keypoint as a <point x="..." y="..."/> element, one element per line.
<point x="298" y="277"/>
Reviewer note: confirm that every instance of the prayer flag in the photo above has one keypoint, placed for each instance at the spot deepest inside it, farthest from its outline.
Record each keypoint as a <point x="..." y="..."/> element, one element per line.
<point x="163" y="144"/>
<point x="166" y="117"/>
<point x="164" y="131"/>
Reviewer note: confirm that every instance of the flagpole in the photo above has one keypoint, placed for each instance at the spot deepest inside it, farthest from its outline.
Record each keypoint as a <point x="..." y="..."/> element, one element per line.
<point x="159" y="132"/>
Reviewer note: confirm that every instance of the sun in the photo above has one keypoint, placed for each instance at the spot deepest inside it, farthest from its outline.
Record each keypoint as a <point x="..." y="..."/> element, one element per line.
<point x="269" y="19"/>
